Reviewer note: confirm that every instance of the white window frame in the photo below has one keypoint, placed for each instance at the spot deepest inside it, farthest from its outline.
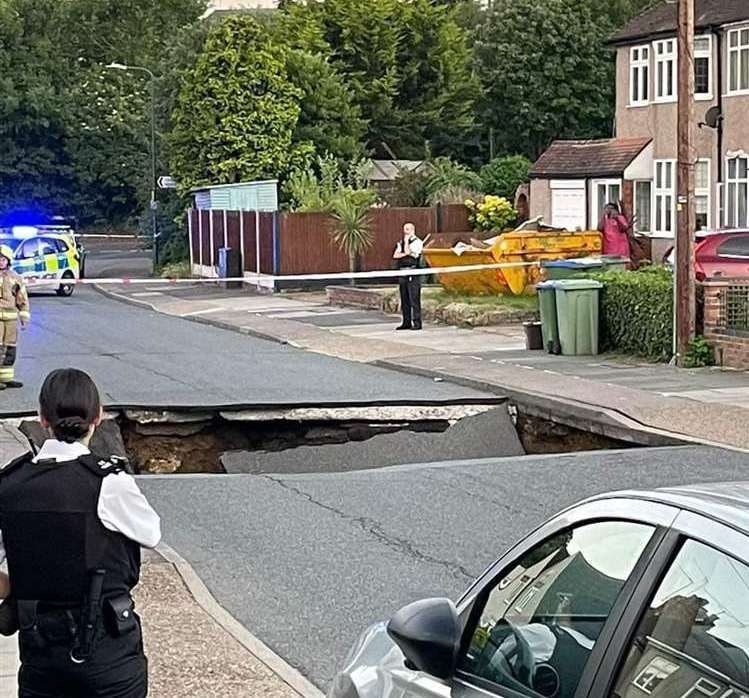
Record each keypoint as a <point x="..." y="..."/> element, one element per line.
<point x="637" y="184"/>
<point x="705" y="53"/>
<point x="737" y="50"/>
<point x="639" y="74"/>
<point x="706" y="191"/>
<point x="735" y="223"/>
<point x="595" y="204"/>
<point x="662" y="192"/>
<point x="667" y="59"/>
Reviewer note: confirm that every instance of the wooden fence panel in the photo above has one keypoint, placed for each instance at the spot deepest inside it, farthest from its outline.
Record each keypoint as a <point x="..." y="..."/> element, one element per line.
<point x="306" y="246"/>
<point x="453" y="219"/>
<point x="232" y="230"/>
<point x="218" y="235"/>
<point x="205" y="244"/>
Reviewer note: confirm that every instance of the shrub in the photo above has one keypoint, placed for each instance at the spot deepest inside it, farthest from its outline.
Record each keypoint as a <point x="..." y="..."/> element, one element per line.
<point x="493" y="213"/>
<point x="502" y="176"/>
<point x="699" y="354"/>
<point x="636" y="312"/>
<point x="450" y="182"/>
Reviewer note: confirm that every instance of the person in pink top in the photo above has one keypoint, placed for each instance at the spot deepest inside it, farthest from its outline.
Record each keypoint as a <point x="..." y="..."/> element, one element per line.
<point x="615" y="229"/>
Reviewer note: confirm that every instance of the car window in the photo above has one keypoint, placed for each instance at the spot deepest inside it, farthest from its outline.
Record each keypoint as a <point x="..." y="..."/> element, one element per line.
<point x="30" y="249"/>
<point x="543" y="618"/>
<point x="693" y="640"/>
<point x="737" y="246"/>
<point x="60" y="245"/>
<point x="47" y="246"/>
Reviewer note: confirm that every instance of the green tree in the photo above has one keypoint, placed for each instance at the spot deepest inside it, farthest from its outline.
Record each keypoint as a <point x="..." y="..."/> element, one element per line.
<point x="502" y="176"/>
<point x="554" y="81"/>
<point x="35" y="172"/>
<point x="237" y="111"/>
<point x="408" y="65"/>
<point x="329" y="117"/>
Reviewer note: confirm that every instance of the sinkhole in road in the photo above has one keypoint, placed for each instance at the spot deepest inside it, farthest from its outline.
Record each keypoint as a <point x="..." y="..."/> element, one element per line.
<point x="339" y="438"/>
<point x="343" y="438"/>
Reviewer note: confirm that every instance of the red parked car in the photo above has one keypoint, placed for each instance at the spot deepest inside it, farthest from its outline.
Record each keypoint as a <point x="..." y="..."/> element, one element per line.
<point x="723" y="253"/>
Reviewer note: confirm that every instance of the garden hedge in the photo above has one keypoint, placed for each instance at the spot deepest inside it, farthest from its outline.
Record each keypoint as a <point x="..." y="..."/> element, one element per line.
<point x="636" y="312"/>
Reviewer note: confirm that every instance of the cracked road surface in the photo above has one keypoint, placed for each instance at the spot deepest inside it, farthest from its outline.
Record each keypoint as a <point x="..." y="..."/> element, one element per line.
<point x="141" y="357"/>
<point x="306" y="562"/>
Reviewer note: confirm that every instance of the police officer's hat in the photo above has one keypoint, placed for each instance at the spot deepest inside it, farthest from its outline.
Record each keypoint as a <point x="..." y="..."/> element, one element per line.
<point x="6" y="252"/>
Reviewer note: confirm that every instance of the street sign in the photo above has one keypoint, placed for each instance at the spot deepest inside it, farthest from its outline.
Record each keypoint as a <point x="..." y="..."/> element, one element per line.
<point x="167" y="183"/>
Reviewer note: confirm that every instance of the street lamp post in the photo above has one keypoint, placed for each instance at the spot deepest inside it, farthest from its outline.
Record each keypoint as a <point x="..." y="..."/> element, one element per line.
<point x="152" y="90"/>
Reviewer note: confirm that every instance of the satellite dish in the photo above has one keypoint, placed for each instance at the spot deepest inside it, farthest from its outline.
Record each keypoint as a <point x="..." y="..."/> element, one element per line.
<point x="713" y="117"/>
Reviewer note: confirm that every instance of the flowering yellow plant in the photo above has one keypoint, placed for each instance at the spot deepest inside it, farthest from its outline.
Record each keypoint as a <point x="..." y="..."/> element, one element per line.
<point x="493" y="213"/>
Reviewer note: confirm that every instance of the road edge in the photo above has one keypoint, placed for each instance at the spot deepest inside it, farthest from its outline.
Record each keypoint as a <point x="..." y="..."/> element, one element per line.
<point x="203" y="597"/>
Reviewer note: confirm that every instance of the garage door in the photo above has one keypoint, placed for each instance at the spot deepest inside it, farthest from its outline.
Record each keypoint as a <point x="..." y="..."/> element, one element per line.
<point x="568" y="208"/>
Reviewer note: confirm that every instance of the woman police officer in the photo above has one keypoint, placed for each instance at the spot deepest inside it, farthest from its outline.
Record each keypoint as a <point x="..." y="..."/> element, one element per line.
<point x="72" y="525"/>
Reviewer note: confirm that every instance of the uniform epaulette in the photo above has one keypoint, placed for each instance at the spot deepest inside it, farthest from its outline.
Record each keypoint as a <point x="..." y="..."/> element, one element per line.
<point x="105" y="466"/>
<point x="15" y="464"/>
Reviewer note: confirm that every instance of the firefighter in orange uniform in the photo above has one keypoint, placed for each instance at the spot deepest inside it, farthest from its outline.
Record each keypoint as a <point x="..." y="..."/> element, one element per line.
<point x="14" y="308"/>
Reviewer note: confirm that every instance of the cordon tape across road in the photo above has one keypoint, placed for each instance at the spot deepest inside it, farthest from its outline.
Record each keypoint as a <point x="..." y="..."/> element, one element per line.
<point x="387" y="273"/>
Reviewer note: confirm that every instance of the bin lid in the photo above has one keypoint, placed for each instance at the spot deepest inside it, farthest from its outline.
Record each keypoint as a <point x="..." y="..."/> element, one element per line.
<point x="580" y="263"/>
<point x="546" y="285"/>
<point x="577" y="284"/>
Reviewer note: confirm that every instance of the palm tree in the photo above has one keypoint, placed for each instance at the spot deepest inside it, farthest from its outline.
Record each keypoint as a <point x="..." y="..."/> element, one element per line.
<point x="351" y="231"/>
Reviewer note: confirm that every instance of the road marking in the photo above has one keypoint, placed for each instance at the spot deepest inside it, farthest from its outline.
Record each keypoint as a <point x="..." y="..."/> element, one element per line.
<point x="205" y="311"/>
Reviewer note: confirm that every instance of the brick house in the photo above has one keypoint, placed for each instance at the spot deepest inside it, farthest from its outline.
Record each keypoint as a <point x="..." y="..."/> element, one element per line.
<point x="573" y="179"/>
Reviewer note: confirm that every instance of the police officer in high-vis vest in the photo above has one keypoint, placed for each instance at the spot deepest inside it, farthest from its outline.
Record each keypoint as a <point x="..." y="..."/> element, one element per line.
<point x="72" y="525"/>
<point x="14" y="308"/>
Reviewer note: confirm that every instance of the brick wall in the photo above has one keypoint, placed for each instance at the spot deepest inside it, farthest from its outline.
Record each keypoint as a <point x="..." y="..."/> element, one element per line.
<point x="731" y="346"/>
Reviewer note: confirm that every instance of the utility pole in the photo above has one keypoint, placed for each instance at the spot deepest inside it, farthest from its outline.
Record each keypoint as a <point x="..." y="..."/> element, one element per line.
<point x="685" y="210"/>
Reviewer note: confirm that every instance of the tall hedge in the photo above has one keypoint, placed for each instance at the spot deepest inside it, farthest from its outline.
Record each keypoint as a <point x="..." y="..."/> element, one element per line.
<point x="636" y="314"/>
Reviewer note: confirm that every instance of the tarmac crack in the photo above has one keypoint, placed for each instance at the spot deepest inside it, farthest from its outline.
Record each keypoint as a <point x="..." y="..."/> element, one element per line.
<point x="375" y="529"/>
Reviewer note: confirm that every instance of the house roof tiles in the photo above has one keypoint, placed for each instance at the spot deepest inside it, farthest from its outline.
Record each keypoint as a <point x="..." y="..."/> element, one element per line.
<point x="661" y="18"/>
<point x="592" y="158"/>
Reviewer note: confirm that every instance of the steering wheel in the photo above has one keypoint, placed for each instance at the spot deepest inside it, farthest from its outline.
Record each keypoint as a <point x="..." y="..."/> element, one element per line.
<point x="541" y="678"/>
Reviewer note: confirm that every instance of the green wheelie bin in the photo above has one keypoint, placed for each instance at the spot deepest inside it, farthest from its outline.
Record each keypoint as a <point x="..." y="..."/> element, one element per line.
<point x="577" y="316"/>
<point x="547" y="304"/>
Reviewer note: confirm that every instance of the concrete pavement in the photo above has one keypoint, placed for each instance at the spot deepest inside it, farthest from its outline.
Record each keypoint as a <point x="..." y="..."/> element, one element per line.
<point x="707" y="405"/>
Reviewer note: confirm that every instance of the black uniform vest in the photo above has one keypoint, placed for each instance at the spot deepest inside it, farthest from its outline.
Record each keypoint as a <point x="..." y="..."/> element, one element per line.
<point x="407" y="262"/>
<point x="52" y="534"/>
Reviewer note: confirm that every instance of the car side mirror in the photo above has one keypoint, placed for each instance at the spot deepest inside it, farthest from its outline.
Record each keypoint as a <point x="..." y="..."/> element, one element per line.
<point x="428" y="633"/>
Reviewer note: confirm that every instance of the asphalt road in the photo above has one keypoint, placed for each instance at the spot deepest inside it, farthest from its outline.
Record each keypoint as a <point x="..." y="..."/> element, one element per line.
<point x="139" y="357"/>
<point x="306" y="562"/>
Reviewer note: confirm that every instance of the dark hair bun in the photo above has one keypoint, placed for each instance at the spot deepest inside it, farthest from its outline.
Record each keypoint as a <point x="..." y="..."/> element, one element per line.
<point x="70" y="429"/>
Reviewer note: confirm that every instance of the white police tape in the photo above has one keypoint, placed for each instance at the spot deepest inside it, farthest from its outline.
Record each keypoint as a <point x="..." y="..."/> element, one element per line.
<point x="253" y="278"/>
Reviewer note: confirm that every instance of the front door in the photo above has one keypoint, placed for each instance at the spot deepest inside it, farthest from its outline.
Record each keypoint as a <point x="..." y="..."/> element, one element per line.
<point x="603" y="191"/>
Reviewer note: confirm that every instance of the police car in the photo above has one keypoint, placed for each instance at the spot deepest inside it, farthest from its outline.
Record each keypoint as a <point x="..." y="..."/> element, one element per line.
<point x="46" y="256"/>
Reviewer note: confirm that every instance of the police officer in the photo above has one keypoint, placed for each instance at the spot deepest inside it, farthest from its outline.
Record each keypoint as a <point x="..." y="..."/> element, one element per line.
<point x="72" y="525"/>
<point x="408" y="256"/>
<point x="14" y="307"/>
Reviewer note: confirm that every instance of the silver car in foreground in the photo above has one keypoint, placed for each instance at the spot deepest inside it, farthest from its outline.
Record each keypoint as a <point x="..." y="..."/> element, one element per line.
<point x="626" y="595"/>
